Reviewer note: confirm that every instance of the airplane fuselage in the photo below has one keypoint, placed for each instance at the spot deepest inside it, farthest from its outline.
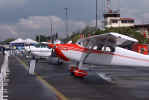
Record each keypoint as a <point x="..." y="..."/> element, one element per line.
<point x="120" y="57"/>
<point x="40" y="52"/>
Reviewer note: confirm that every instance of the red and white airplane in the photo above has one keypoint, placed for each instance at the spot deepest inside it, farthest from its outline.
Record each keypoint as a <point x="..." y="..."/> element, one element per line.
<point x="106" y="49"/>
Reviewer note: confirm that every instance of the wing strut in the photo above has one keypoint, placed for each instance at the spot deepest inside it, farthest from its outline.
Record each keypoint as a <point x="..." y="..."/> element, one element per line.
<point x="84" y="56"/>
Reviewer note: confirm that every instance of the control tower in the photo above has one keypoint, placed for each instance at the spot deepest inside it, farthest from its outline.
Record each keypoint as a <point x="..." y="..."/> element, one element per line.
<point x="112" y="17"/>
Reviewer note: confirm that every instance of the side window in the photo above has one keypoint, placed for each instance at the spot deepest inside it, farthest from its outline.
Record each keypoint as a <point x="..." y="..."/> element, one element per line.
<point x="95" y="48"/>
<point x="108" y="49"/>
<point x="43" y="46"/>
<point x="47" y="47"/>
<point x="37" y="46"/>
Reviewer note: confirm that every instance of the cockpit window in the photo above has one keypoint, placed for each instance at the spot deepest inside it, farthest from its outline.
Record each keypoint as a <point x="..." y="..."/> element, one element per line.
<point x="37" y="45"/>
<point x="41" y="46"/>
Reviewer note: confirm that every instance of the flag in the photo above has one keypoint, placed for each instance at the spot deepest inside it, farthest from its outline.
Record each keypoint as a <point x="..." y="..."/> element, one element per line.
<point x="144" y="34"/>
<point x="82" y="36"/>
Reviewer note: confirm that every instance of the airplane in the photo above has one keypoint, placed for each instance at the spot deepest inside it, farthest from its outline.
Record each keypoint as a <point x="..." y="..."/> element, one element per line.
<point x="38" y="51"/>
<point x="109" y="49"/>
<point x="41" y="51"/>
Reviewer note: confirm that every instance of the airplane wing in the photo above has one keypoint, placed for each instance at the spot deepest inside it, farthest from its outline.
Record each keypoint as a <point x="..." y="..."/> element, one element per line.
<point x="112" y="38"/>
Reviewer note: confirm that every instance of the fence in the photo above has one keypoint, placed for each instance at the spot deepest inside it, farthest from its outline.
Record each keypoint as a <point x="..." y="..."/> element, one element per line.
<point x="3" y="78"/>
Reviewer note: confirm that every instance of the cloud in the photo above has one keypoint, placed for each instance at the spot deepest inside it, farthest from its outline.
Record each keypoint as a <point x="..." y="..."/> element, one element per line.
<point x="36" y="16"/>
<point x="12" y="3"/>
<point x="35" y="25"/>
<point x="137" y="9"/>
<point x="93" y="23"/>
<point x="7" y="31"/>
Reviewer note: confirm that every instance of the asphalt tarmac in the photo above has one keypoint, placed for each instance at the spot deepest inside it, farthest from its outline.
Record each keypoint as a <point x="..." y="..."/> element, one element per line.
<point x="128" y="83"/>
<point x="22" y="86"/>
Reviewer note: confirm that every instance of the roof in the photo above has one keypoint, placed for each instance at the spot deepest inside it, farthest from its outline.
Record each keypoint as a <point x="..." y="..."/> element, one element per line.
<point x="30" y="41"/>
<point x="26" y="41"/>
<point x="19" y="40"/>
<point x="126" y="19"/>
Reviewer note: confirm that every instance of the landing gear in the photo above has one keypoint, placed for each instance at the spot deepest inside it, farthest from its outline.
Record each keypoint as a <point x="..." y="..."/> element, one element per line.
<point x="75" y="71"/>
<point x="71" y="70"/>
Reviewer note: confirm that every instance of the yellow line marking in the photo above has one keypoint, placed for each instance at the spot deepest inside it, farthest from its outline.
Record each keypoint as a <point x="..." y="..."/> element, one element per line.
<point x="59" y="94"/>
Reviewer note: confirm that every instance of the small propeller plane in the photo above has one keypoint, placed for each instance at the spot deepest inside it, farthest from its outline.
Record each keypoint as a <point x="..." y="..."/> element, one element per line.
<point x="41" y="50"/>
<point x="38" y="51"/>
<point x="109" y="49"/>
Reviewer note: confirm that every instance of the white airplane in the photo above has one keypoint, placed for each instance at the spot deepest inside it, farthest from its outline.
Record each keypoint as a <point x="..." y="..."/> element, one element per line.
<point x="41" y="50"/>
<point x="102" y="50"/>
<point x="38" y="51"/>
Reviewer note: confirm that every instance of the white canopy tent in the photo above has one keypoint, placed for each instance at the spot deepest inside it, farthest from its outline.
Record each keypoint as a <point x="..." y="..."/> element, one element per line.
<point x="17" y="44"/>
<point x="30" y="41"/>
<point x="19" y="40"/>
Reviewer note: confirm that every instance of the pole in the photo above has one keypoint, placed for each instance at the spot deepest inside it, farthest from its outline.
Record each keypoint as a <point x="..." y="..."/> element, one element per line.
<point x="66" y="22"/>
<point x="39" y="38"/>
<point x="96" y="14"/>
<point x="52" y="40"/>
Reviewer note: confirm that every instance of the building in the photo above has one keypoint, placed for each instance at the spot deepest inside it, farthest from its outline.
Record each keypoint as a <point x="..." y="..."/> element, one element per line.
<point x="113" y="19"/>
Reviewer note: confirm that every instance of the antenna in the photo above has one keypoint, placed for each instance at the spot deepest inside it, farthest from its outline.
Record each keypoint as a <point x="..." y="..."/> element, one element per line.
<point x="108" y="6"/>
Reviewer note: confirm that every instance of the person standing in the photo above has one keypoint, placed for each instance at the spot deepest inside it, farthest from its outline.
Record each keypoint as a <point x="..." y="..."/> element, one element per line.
<point x="3" y="50"/>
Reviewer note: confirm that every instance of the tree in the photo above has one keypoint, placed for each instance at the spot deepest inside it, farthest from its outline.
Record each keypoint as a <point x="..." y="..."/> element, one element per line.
<point x="41" y="38"/>
<point x="7" y="40"/>
<point x="129" y="31"/>
<point x="126" y="31"/>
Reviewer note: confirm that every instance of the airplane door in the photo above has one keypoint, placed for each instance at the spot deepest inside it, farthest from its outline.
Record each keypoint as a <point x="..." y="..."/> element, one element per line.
<point x="101" y="56"/>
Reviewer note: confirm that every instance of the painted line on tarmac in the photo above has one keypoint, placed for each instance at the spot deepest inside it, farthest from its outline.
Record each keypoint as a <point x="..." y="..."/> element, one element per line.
<point x="58" y="94"/>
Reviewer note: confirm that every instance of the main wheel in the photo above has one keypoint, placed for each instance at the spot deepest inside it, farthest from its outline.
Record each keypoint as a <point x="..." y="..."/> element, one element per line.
<point x="72" y="69"/>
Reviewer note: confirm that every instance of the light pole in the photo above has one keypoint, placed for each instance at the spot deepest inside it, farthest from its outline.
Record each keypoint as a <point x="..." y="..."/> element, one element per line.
<point x="96" y="14"/>
<point x="66" y="21"/>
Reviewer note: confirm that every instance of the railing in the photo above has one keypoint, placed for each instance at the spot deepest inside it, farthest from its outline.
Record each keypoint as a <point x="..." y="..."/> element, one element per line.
<point x="3" y="77"/>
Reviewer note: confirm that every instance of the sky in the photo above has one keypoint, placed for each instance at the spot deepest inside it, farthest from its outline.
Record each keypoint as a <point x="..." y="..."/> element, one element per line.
<point x="28" y="18"/>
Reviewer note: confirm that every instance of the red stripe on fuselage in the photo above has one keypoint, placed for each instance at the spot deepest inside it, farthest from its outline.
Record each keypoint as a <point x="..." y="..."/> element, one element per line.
<point x="61" y="55"/>
<point x="75" y="47"/>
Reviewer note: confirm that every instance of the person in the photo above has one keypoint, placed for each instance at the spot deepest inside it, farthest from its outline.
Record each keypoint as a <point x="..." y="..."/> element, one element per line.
<point x="3" y="50"/>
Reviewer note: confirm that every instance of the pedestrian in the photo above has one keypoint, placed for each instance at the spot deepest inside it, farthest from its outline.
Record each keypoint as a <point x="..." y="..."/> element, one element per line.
<point x="3" y="50"/>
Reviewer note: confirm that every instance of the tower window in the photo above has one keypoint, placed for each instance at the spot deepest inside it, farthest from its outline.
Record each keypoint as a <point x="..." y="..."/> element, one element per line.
<point x="114" y="21"/>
